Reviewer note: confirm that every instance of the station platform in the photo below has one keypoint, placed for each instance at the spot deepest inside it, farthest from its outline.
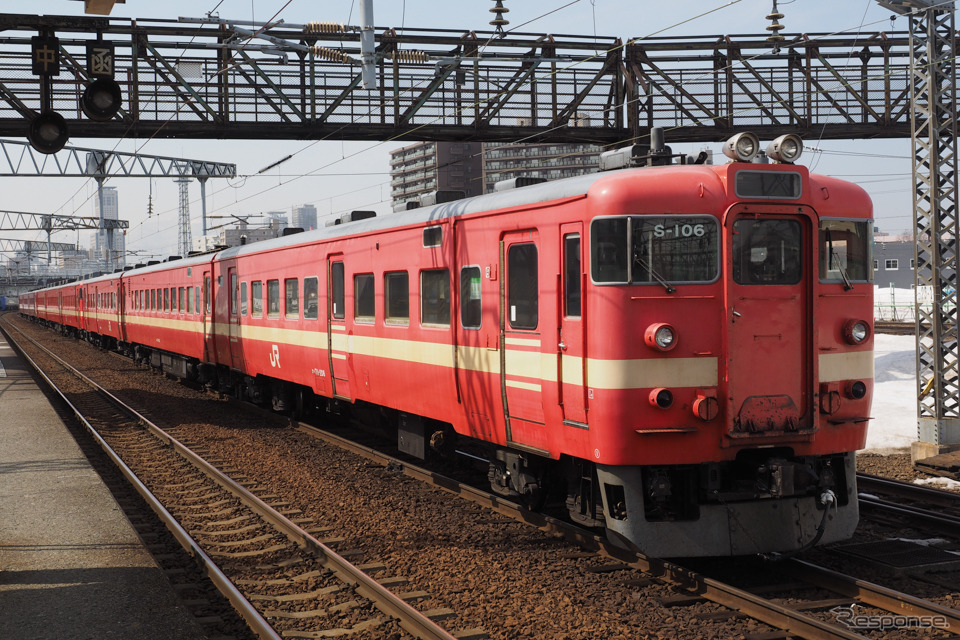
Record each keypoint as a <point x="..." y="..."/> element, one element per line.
<point x="71" y="565"/>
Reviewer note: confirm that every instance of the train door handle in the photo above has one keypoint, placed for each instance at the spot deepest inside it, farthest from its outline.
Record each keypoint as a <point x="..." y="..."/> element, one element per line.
<point x="562" y="346"/>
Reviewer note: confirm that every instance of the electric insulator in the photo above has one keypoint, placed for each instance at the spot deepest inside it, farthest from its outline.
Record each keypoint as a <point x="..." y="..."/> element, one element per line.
<point x="775" y="27"/>
<point x="499" y="22"/>
<point x="324" y="27"/>
<point x="408" y="55"/>
<point x="333" y="55"/>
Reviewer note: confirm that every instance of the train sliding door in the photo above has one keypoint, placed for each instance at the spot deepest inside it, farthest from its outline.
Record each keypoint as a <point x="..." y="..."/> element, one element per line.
<point x="571" y="356"/>
<point x="337" y="341"/>
<point x="768" y="274"/>
<point x="521" y="335"/>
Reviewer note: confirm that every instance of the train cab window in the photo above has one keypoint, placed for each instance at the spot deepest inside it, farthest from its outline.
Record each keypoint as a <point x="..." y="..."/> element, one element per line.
<point x="397" y="297"/>
<point x="337" y="290"/>
<point x="273" y="298"/>
<point x="364" y="298"/>
<point x="256" y="299"/>
<point x="182" y="297"/>
<point x="291" y="299"/>
<point x="571" y="275"/>
<point x="311" y="298"/>
<point x="523" y="296"/>
<point x="435" y="297"/>
<point x="243" y="298"/>
<point x="234" y="293"/>
<point x="471" y="309"/>
<point x="767" y="252"/>
<point x="845" y="250"/>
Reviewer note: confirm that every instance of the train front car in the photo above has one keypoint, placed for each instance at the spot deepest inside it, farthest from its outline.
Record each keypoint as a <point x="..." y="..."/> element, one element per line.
<point x="730" y="363"/>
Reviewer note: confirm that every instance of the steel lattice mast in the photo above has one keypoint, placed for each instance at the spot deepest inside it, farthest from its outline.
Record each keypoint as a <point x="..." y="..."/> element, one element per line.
<point x="184" y="238"/>
<point x="933" y="45"/>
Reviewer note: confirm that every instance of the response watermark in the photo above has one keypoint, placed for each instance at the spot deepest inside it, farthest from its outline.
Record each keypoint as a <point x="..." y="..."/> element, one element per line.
<point x="849" y="617"/>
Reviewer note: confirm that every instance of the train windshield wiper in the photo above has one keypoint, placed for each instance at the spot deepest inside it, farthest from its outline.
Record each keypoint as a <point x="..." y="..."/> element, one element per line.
<point x="653" y="274"/>
<point x="835" y="257"/>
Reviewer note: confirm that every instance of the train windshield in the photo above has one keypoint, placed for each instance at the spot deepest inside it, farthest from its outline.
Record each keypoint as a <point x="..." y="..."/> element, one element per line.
<point x="845" y="250"/>
<point x="655" y="249"/>
<point x="766" y="251"/>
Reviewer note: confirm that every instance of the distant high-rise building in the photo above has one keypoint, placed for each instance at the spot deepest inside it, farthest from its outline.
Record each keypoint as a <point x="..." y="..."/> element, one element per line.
<point x="436" y="166"/>
<point x="475" y="167"/>
<point x="111" y="211"/>
<point x="304" y="217"/>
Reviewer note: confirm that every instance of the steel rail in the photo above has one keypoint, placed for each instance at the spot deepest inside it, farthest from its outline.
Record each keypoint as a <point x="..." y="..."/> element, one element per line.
<point x="885" y="485"/>
<point x="386" y="601"/>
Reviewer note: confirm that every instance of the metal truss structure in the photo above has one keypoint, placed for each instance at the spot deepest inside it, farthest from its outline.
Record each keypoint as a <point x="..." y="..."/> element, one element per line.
<point x="10" y="245"/>
<point x="24" y="221"/>
<point x="213" y="78"/>
<point x="934" y="88"/>
<point x="18" y="158"/>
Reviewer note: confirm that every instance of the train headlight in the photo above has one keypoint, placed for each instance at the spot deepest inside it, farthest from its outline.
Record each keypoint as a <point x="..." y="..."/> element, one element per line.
<point x="662" y="398"/>
<point x="856" y="331"/>
<point x="855" y="390"/>
<point x="743" y="147"/>
<point x="660" y="336"/>
<point x="785" y="149"/>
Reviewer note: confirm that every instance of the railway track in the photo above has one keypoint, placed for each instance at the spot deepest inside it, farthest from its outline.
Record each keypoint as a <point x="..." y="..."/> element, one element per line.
<point x="919" y="507"/>
<point x="281" y="579"/>
<point x="793" y="612"/>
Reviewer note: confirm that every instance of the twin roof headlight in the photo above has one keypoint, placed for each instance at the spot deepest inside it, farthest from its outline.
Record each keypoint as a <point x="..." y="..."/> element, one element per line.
<point x="744" y="147"/>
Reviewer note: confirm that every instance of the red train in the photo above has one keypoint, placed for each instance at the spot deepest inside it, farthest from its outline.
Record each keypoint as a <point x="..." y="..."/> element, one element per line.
<point x="685" y="350"/>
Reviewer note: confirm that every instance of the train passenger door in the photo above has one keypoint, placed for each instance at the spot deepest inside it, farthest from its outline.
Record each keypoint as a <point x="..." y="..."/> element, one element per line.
<point x="337" y="339"/>
<point x="235" y="343"/>
<point x="571" y="352"/>
<point x="769" y="369"/>
<point x="521" y="375"/>
<point x="209" y="349"/>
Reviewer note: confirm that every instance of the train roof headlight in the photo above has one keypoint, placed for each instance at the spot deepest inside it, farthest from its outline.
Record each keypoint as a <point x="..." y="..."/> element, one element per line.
<point x="785" y="149"/>
<point x="742" y="147"/>
<point x="660" y="336"/>
<point x="856" y="331"/>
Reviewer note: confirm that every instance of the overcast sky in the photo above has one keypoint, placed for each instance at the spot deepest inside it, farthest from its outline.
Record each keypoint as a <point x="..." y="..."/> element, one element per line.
<point x="355" y="174"/>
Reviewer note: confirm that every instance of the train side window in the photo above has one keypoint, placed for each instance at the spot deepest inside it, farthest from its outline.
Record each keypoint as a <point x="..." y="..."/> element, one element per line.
<point x="571" y="275"/>
<point x="243" y="298"/>
<point x="196" y="291"/>
<point x="397" y="295"/>
<point x="433" y="236"/>
<point x="435" y="297"/>
<point x="471" y="308"/>
<point x="273" y="298"/>
<point x="291" y="299"/>
<point x="206" y="293"/>
<point x="234" y="293"/>
<point x="364" y="298"/>
<point x="256" y="295"/>
<point x="152" y="304"/>
<point x="522" y="294"/>
<point x="311" y="298"/>
<point x="166" y="299"/>
<point x="182" y="296"/>
<point x="337" y="290"/>
<point x="189" y="299"/>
